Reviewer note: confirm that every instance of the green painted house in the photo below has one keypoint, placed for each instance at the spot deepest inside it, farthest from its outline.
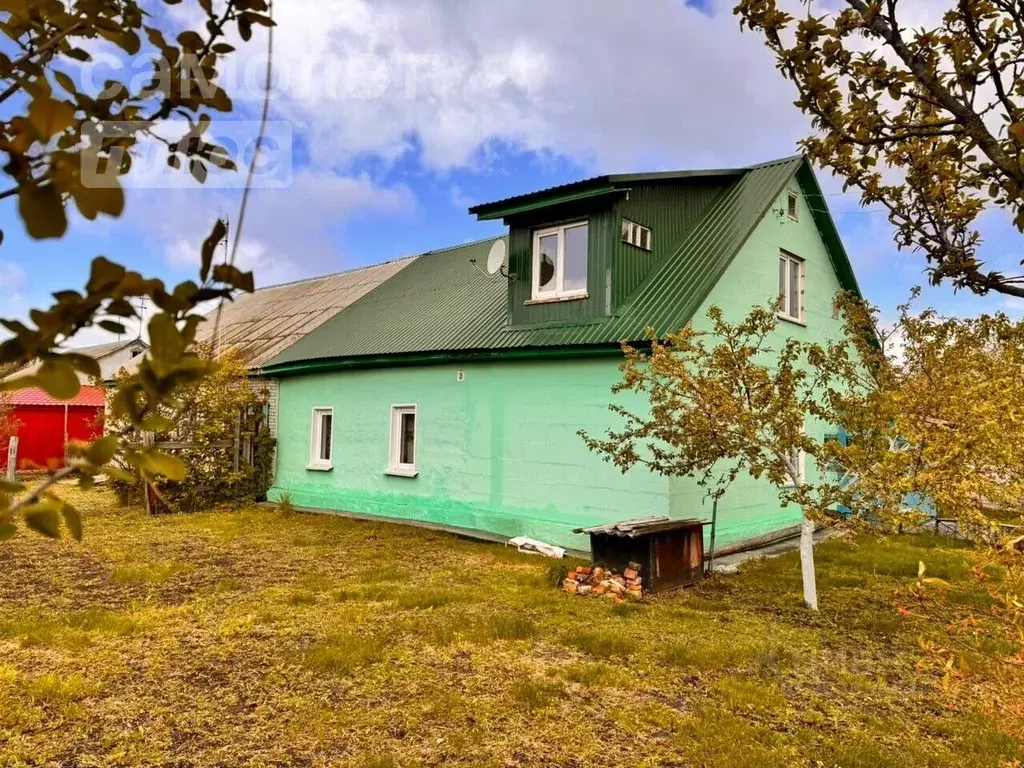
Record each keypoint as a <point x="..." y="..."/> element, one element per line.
<point x="452" y="395"/>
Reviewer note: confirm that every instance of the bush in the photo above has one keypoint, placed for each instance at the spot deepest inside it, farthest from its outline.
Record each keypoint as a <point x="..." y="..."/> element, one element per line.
<point x="211" y="416"/>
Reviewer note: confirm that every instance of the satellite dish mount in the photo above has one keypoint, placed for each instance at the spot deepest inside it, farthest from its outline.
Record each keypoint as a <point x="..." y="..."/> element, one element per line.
<point x="496" y="260"/>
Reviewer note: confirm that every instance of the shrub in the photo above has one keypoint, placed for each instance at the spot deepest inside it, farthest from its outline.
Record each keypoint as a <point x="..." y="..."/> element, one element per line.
<point x="225" y="407"/>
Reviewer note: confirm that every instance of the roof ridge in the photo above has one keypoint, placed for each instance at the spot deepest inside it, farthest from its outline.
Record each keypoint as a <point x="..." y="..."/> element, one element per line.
<point x="462" y="245"/>
<point x="337" y="273"/>
<point x="778" y="161"/>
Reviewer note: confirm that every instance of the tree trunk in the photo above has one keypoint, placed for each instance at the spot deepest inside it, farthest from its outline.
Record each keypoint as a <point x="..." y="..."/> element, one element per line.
<point x="807" y="563"/>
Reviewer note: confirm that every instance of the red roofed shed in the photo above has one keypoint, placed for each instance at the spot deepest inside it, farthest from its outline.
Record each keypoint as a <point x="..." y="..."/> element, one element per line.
<point x="45" y="425"/>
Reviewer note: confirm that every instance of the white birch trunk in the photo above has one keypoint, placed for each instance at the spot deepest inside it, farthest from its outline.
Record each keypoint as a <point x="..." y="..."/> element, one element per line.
<point x="807" y="563"/>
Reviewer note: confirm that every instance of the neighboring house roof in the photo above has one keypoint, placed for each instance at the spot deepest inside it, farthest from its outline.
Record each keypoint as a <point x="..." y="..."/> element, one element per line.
<point x="87" y="395"/>
<point x="442" y="304"/>
<point x="259" y="325"/>
<point x="96" y="351"/>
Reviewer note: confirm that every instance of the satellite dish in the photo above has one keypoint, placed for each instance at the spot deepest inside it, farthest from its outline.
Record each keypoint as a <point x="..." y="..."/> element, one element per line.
<point x="496" y="257"/>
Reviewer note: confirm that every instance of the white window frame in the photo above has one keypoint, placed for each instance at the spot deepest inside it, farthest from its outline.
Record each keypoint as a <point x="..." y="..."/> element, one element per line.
<point x="793" y="212"/>
<point x="792" y="261"/>
<point x="395" y="465"/>
<point x="557" y="293"/>
<point x="316" y="439"/>
<point x="637" y="235"/>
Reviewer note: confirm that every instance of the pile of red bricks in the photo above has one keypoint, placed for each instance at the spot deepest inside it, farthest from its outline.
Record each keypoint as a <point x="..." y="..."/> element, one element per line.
<point x="595" y="581"/>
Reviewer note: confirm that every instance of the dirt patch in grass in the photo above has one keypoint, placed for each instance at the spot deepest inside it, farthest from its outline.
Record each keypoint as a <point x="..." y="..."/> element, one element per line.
<point x="247" y="638"/>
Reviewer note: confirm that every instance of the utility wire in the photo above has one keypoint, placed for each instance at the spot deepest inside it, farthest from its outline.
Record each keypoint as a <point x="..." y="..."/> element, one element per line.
<point x="252" y="165"/>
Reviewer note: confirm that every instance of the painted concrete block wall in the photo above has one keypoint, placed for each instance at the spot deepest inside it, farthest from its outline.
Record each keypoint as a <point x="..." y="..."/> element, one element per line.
<point x="497" y="451"/>
<point x="750" y="508"/>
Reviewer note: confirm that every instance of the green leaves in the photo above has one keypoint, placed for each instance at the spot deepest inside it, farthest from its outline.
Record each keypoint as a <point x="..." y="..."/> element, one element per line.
<point x="44" y="517"/>
<point x="102" y="450"/>
<point x="166" y="465"/>
<point x="61" y="143"/>
<point x="57" y="377"/>
<point x="72" y="520"/>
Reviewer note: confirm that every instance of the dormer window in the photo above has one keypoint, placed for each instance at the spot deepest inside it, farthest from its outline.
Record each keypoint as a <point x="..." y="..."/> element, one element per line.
<point x="560" y="262"/>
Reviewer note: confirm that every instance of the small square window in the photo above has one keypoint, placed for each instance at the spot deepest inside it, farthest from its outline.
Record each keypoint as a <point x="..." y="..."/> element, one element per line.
<point x="835" y="309"/>
<point x="402" y="459"/>
<point x="321" y="438"/>
<point x="792" y="206"/>
<point x="636" y="234"/>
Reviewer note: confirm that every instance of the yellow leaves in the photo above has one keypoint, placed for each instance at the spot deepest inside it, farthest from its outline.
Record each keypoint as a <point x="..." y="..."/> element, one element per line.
<point x="160" y="464"/>
<point x="107" y="198"/>
<point x="42" y="210"/>
<point x="1016" y="130"/>
<point x="49" y="116"/>
<point x="44" y="517"/>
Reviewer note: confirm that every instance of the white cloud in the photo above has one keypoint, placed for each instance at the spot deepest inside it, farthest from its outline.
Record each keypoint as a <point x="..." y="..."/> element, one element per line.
<point x="1013" y="305"/>
<point x="287" y="231"/>
<point x="12" y="277"/>
<point x="611" y="84"/>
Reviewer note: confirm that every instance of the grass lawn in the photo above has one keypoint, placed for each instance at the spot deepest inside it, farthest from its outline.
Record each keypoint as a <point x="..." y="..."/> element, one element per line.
<point x="251" y="639"/>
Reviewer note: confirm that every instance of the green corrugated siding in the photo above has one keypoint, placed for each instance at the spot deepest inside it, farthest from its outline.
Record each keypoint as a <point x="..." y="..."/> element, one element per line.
<point x="442" y="303"/>
<point x="600" y="262"/>
<point x="668" y="210"/>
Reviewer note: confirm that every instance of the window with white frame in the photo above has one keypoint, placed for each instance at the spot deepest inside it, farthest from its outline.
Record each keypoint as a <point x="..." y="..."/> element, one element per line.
<point x="321" y="438"/>
<point x="791" y="287"/>
<point x="792" y="205"/>
<point x="560" y="261"/>
<point x="403" y="440"/>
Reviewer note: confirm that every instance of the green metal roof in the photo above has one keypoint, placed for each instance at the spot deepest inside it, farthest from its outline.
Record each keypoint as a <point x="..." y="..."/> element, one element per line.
<point x="580" y="190"/>
<point x="442" y="305"/>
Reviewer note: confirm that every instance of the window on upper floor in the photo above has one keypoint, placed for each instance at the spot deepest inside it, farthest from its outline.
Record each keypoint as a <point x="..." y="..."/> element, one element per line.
<point x="791" y="287"/>
<point x="792" y="205"/>
<point x="321" y="438"/>
<point x="636" y="234"/>
<point x="560" y="261"/>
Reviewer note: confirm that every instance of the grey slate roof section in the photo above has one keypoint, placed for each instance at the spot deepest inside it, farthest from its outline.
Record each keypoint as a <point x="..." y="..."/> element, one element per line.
<point x="262" y="324"/>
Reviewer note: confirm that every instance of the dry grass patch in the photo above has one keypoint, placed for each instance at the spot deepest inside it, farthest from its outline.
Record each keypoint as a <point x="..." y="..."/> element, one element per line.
<point x="251" y="638"/>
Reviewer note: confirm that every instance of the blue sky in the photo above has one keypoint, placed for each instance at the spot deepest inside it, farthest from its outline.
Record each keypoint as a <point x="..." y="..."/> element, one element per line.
<point x="402" y="113"/>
